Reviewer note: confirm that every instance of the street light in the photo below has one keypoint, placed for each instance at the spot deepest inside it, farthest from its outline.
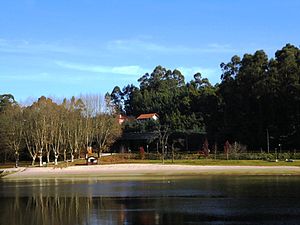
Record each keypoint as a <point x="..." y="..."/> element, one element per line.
<point x="279" y="145"/>
<point x="17" y="159"/>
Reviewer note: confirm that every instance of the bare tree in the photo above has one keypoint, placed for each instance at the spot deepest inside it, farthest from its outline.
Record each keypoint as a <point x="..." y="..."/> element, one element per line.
<point x="56" y="132"/>
<point x="37" y="119"/>
<point x="29" y="134"/>
<point x="74" y="125"/>
<point x="164" y="132"/>
<point x="14" y="129"/>
<point x="101" y="127"/>
<point x="91" y="109"/>
<point x="106" y="131"/>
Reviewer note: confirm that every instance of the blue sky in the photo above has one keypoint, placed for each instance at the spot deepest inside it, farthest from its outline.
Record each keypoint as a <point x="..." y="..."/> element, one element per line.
<point x="64" y="48"/>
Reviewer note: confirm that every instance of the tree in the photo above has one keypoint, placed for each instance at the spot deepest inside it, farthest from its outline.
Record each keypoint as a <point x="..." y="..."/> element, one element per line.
<point x="40" y="128"/>
<point x="14" y="130"/>
<point x="164" y="133"/>
<point x="106" y="131"/>
<point x="29" y="134"/>
<point x="74" y="126"/>
<point x="100" y="128"/>
<point x="6" y="100"/>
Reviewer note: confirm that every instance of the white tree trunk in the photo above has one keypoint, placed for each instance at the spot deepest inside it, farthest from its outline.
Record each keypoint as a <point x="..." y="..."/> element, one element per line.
<point x="55" y="159"/>
<point x="17" y="159"/>
<point x="72" y="157"/>
<point x="65" y="155"/>
<point x="33" y="160"/>
<point x="41" y="160"/>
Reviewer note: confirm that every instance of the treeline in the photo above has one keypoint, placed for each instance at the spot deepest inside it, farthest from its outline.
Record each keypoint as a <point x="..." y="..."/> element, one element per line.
<point x="257" y="102"/>
<point x="55" y="130"/>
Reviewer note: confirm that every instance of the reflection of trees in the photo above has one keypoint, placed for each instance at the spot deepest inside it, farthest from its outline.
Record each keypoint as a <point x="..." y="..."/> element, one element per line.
<point x="45" y="210"/>
<point x="76" y="210"/>
<point x="57" y="209"/>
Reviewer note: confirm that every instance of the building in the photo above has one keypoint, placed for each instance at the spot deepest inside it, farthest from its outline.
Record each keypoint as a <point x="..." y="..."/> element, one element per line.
<point x="122" y="119"/>
<point x="148" y="116"/>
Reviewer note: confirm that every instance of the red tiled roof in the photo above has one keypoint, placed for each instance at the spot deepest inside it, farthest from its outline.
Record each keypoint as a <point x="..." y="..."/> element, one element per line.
<point x="147" y="116"/>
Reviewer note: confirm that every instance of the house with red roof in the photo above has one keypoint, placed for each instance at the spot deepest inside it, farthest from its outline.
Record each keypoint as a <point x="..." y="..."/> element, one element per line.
<point x="148" y="116"/>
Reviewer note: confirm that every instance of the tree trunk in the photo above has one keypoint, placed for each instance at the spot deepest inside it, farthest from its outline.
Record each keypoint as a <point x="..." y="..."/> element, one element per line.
<point x="72" y="157"/>
<point x="5" y="156"/>
<point x="55" y="159"/>
<point x="163" y="154"/>
<point x="79" y="153"/>
<point x="48" y="157"/>
<point x="173" y="153"/>
<point x="65" y="155"/>
<point x="215" y="148"/>
<point x="99" y="156"/>
<point x="17" y="159"/>
<point x="41" y="160"/>
<point x="33" y="160"/>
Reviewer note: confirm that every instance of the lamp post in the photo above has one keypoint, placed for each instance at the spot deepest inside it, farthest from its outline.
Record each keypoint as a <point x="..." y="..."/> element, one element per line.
<point x="279" y="145"/>
<point x="268" y="141"/>
<point x="17" y="159"/>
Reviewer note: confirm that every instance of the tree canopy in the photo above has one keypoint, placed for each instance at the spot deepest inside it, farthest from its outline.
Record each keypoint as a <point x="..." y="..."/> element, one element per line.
<point x="256" y="96"/>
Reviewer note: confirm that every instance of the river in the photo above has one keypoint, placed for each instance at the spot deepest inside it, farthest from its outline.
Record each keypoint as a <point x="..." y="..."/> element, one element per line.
<point x="189" y="200"/>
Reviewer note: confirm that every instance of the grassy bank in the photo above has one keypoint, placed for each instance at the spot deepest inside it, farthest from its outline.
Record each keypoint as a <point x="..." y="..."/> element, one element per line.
<point x="132" y="171"/>
<point x="185" y="160"/>
<point x="194" y="160"/>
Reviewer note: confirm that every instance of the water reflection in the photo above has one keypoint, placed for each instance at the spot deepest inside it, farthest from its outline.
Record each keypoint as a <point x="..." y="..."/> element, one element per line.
<point x="205" y="200"/>
<point x="73" y="210"/>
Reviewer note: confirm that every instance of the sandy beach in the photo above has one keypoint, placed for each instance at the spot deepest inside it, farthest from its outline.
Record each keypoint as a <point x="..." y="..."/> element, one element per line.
<point x="118" y="171"/>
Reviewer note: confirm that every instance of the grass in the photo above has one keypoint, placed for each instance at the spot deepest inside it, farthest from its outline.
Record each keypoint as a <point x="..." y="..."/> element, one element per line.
<point x="200" y="162"/>
<point x="211" y="162"/>
<point x="236" y="162"/>
<point x="203" y="162"/>
<point x="293" y="168"/>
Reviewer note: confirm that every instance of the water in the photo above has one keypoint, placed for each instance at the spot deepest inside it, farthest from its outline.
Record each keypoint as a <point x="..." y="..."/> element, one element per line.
<point x="195" y="200"/>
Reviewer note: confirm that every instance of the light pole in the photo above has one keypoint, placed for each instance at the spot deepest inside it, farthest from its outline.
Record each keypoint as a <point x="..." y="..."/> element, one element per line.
<point x="279" y="145"/>
<point x="17" y="159"/>
<point x="268" y="141"/>
<point x="163" y="154"/>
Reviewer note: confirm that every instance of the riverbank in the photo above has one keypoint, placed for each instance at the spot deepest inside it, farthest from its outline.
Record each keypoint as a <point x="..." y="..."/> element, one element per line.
<point x="126" y="171"/>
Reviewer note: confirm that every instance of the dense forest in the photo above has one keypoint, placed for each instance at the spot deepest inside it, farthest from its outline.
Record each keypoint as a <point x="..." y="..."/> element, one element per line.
<point x="257" y="102"/>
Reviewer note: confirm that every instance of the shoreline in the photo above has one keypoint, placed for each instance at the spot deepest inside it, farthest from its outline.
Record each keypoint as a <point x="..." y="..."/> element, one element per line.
<point x="144" y="171"/>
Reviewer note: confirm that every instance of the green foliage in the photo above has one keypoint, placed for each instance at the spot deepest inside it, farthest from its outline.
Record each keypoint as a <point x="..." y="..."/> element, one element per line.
<point x="164" y="92"/>
<point x="141" y="126"/>
<point x="6" y="100"/>
<point x="259" y="94"/>
<point x="256" y="95"/>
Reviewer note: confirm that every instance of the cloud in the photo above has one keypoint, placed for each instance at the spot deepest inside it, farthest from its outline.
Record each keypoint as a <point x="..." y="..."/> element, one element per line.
<point x="140" y="45"/>
<point x="125" y="70"/>
<point x="135" y="70"/>
<point x="33" y="47"/>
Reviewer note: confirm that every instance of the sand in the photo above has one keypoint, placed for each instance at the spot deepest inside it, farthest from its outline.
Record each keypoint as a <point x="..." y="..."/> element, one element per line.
<point x="128" y="171"/>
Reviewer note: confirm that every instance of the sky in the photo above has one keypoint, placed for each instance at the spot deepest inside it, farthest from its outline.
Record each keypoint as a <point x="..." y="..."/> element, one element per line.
<point x="63" y="48"/>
